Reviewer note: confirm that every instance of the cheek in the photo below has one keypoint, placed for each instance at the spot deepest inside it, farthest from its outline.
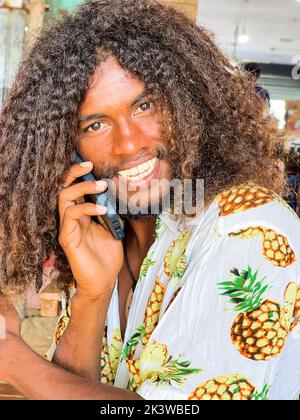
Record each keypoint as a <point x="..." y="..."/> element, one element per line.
<point x="151" y="128"/>
<point x="165" y="171"/>
<point x="95" y="150"/>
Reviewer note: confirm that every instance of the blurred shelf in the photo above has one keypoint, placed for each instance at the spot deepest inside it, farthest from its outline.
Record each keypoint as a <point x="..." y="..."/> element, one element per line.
<point x="7" y="392"/>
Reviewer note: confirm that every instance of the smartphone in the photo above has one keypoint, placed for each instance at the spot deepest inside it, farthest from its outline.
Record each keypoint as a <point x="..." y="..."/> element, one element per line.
<point x="111" y="220"/>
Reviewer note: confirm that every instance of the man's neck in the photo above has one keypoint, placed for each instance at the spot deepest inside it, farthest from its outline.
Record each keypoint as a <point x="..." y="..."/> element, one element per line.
<point x="140" y="234"/>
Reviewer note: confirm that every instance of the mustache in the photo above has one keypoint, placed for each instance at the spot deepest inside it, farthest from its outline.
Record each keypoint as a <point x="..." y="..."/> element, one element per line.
<point x="112" y="171"/>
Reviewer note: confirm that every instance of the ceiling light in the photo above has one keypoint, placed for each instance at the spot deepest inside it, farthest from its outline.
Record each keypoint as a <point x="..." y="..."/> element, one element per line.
<point x="286" y="39"/>
<point x="243" y="39"/>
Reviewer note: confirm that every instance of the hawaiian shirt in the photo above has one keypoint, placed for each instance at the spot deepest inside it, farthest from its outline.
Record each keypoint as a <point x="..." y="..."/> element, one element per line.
<point x="216" y="311"/>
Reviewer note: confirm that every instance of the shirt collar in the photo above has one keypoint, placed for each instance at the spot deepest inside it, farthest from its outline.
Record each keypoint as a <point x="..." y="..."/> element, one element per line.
<point x="170" y="221"/>
<point x="176" y="224"/>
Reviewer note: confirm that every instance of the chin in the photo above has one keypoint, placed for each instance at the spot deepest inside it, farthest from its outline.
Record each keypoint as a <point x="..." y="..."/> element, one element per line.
<point x="140" y="216"/>
<point x="143" y="210"/>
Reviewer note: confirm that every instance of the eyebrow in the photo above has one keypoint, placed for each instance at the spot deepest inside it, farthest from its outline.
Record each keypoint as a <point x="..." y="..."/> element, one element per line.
<point x="98" y="116"/>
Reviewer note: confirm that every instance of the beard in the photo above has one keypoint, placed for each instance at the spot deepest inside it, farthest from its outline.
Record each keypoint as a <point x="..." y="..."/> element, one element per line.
<point x="147" y="210"/>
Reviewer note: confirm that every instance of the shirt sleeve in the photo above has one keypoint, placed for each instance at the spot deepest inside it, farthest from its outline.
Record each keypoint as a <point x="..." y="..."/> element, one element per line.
<point x="228" y="333"/>
<point x="286" y="384"/>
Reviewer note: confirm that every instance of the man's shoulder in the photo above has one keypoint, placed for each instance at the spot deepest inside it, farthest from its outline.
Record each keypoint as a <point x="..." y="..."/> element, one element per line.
<point x="253" y="206"/>
<point x="245" y="214"/>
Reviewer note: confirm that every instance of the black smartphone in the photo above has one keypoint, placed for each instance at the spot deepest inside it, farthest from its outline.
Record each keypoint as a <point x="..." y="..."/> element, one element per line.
<point x="111" y="220"/>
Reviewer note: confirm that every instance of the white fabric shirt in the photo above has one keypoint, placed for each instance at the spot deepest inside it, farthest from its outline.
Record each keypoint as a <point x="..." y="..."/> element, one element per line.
<point x="214" y="313"/>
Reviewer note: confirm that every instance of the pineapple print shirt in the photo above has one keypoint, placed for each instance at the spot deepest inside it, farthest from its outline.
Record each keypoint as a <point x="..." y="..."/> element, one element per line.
<point x="216" y="309"/>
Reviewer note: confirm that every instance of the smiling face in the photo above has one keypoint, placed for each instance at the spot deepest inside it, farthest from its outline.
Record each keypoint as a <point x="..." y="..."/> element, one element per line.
<point x="121" y="134"/>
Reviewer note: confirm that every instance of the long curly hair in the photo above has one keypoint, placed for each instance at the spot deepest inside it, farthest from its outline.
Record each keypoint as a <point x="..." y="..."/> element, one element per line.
<point x="217" y="127"/>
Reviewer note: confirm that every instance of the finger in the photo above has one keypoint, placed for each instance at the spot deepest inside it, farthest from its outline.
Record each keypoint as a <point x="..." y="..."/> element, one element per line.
<point x="74" y="214"/>
<point x="76" y="171"/>
<point x="84" y="220"/>
<point x="69" y="196"/>
<point x="80" y="200"/>
<point x="78" y="191"/>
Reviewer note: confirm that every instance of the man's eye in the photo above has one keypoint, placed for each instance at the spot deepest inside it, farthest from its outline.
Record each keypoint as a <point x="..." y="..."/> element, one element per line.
<point x="94" y="127"/>
<point x="145" y="106"/>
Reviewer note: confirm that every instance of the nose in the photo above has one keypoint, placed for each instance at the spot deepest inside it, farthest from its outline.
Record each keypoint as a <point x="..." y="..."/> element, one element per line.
<point x="128" y="139"/>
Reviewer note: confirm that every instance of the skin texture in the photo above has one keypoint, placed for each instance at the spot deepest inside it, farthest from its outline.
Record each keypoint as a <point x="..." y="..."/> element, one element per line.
<point x="129" y="135"/>
<point x="38" y="379"/>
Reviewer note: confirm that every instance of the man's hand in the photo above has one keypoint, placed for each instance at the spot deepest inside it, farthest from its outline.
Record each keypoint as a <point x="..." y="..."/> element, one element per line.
<point x="95" y="257"/>
<point x="9" y="348"/>
<point x="37" y="379"/>
<point x="10" y="326"/>
<point x="9" y="319"/>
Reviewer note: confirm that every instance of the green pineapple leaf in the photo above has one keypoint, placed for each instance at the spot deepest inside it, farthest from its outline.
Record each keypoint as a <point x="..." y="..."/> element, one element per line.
<point x="184" y="364"/>
<point x="175" y="371"/>
<point x="245" y="291"/>
<point x="159" y="227"/>
<point x="147" y="263"/>
<point x="235" y="272"/>
<point x="263" y="395"/>
<point x="133" y="342"/>
<point x="180" y="267"/>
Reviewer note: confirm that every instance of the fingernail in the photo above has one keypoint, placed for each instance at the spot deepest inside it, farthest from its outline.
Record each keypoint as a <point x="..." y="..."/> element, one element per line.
<point x="100" y="185"/>
<point x="86" y="164"/>
<point x="101" y="209"/>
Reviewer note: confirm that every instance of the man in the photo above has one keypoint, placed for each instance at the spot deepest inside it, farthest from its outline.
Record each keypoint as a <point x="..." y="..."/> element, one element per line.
<point x="293" y="173"/>
<point x="143" y="94"/>
<point x="255" y="72"/>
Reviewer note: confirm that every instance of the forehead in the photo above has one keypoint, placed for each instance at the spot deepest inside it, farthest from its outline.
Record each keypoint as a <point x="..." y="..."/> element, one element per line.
<point x="111" y="85"/>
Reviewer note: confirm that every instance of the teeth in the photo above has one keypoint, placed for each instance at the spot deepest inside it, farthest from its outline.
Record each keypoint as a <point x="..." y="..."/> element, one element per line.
<point x="140" y="171"/>
<point x="133" y="171"/>
<point x="144" y="167"/>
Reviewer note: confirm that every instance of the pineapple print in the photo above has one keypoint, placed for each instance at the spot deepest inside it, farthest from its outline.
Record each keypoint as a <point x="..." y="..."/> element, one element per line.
<point x="143" y="334"/>
<point x="133" y="342"/>
<point x="115" y="350"/>
<point x="159" y="228"/>
<point x="157" y="365"/>
<point x="144" y="331"/>
<point x="174" y="297"/>
<point x="107" y="375"/>
<point x="175" y="259"/>
<point x="153" y="309"/>
<point x="147" y="263"/>
<point x="297" y="305"/>
<point x="245" y="197"/>
<point x="262" y="326"/>
<point x="62" y="323"/>
<point x="296" y="315"/>
<point x="276" y="248"/>
<point x="135" y="380"/>
<point x="231" y="387"/>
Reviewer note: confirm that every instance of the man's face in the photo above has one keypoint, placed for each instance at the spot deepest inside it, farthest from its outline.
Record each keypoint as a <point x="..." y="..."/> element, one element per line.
<point x="121" y="134"/>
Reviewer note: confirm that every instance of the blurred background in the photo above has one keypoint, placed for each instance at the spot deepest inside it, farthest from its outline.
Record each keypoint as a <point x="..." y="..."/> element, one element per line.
<point x="261" y="36"/>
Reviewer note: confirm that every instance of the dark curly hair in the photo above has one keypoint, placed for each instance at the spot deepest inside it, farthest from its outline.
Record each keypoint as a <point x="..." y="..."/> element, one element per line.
<point x="216" y="125"/>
